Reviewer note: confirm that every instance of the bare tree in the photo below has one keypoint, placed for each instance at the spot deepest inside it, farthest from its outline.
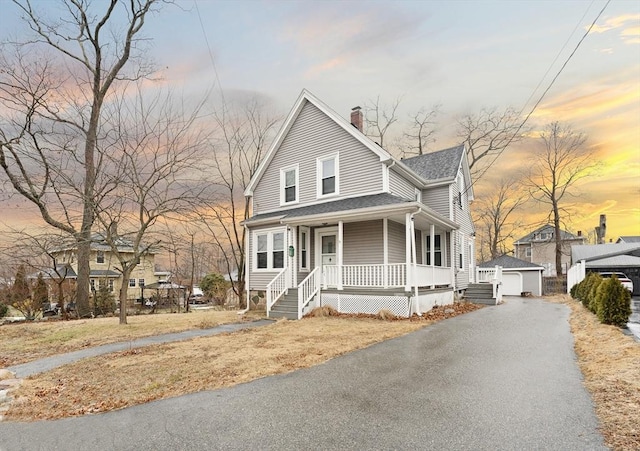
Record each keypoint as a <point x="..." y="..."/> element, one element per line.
<point x="53" y="88"/>
<point x="155" y="172"/>
<point x="422" y="131"/>
<point x="494" y="213"/>
<point x="560" y="160"/>
<point x="237" y="152"/>
<point x="486" y="135"/>
<point x="379" y="118"/>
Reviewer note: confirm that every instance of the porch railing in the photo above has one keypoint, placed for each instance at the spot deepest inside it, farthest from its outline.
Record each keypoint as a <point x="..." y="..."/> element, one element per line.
<point x="307" y="289"/>
<point x="276" y="288"/>
<point x="375" y="276"/>
<point x="429" y="276"/>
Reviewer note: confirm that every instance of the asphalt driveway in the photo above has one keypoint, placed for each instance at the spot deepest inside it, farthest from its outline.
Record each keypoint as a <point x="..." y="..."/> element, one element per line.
<point x="501" y="378"/>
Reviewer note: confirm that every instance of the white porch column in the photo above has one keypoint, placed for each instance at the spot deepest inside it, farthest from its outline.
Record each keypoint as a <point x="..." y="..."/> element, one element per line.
<point x="385" y="251"/>
<point x="414" y="278"/>
<point x="293" y="268"/>
<point x="432" y="253"/>
<point x="407" y="252"/>
<point x="340" y="255"/>
<point x="452" y="258"/>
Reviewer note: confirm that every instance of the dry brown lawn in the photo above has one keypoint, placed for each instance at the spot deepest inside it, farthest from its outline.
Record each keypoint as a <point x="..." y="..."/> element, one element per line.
<point x="24" y="342"/>
<point x="610" y="363"/>
<point x="141" y="375"/>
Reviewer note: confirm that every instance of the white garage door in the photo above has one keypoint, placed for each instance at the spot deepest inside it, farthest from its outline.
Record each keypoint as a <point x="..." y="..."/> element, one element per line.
<point x="511" y="283"/>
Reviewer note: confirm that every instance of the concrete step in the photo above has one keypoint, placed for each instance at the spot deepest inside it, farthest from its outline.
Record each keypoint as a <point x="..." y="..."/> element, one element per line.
<point x="281" y="314"/>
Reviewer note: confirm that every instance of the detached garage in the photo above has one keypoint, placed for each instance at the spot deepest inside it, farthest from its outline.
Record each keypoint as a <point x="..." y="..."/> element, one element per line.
<point x="518" y="276"/>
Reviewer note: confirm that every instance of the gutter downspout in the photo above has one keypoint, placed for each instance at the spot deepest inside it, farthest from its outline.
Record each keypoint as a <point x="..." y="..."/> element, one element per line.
<point x="246" y="269"/>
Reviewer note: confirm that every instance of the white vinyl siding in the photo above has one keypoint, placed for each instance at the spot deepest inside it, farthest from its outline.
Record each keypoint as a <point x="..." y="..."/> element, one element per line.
<point x="397" y="242"/>
<point x="311" y="135"/>
<point x="401" y="187"/>
<point x="437" y="199"/>
<point x="363" y="243"/>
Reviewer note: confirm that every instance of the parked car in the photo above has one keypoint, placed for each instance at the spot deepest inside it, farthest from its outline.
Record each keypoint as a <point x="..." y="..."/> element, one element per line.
<point x="50" y="309"/>
<point x="622" y="277"/>
<point x="197" y="299"/>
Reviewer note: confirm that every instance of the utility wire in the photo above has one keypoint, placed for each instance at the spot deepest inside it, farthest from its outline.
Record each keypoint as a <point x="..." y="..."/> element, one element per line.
<point x="544" y="93"/>
<point x="213" y="62"/>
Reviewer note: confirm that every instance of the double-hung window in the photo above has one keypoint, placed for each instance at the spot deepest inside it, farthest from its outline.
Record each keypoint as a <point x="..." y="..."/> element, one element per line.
<point x="328" y="176"/>
<point x="132" y="282"/>
<point x="437" y="250"/>
<point x="289" y="185"/>
<point x="269" y="249"/>
<point x="100" y="257"/>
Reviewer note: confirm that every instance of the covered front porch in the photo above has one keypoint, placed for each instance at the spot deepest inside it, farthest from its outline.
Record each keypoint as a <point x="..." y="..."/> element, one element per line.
<point x="402" y="262"/>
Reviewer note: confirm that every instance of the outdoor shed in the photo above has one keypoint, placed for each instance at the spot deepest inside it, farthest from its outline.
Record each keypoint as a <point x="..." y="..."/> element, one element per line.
<point x="518" y="276"/>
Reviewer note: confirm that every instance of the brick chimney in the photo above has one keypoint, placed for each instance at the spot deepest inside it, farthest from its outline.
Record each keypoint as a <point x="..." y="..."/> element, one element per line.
<point x="356" y="117"/>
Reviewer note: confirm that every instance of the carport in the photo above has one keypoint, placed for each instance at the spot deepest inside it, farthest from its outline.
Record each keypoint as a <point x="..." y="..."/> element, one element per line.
<point x="518" y="276"/>
<point x="618" y="257"/>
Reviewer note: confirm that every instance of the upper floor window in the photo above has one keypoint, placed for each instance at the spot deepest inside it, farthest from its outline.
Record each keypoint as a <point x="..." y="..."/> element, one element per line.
<point x="289" y="186"/>
<point x="100" y="257"/>
<point x="327" y="176"/>
<point x="527" y="252"/>
<point x="141" y="282"/>
<point x="461" y="190"/>
<point x="132" y="282"/>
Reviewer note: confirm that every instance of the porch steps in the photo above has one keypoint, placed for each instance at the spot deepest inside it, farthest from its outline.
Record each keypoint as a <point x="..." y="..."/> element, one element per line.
<point x="287" y="306"/>
<point x="480" y="293"/>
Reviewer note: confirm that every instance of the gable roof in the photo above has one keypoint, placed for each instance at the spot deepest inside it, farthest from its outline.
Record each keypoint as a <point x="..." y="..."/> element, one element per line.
<point x="547" y="228"/>
<point x="629" y="239"/>
<point x="599" y="251"/>
<point x="442" y="164"/>
<point x="617" y="261"/>
<point x="509" y="262"/>
<point x="304" y="97"/>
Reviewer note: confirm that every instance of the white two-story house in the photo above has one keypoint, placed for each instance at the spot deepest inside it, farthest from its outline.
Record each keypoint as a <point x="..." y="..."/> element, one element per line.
<point x="337" y="220"/>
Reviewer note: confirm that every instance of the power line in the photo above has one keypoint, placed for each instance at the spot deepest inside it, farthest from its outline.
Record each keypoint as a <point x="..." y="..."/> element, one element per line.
<point x="545" y="91"/>
<point x="213" y="62"/>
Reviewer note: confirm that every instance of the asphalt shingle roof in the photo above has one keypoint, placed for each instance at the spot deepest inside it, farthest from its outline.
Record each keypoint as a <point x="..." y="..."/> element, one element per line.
<point x="598" y="251"/>
<point x="509" y="262"/>
<point x="630" y="239"/>
<point x="354" y="203"/>
<point x="437" y="165"/>
<point x="617" y="261"/>
<point x="548" y="229"/>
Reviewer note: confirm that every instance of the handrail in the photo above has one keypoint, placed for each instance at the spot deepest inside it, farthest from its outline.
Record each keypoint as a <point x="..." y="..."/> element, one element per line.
<point x="276" y="288"/>
<point x="307" y="289"/>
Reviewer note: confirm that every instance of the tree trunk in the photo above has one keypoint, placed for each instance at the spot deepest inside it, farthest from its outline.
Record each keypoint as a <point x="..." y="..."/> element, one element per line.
<point x="124" y="288"/>
<point x="558" y="239"/>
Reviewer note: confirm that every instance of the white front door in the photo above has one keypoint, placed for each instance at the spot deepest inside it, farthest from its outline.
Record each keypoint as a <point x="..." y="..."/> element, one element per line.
<point x="326" y="254"/>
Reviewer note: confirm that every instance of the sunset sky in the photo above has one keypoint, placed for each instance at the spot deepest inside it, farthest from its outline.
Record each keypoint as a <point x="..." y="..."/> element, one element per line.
<point x="464" y="55"/>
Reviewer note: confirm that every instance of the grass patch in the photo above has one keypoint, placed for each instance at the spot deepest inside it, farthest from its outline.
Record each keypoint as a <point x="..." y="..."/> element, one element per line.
<point x="610" y="364"/>
<point x="154" y="372"/>
<point x="24" y="342"/>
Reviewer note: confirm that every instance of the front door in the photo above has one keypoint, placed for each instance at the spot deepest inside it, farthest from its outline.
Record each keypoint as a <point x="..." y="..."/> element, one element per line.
<point x="327" y="254"/>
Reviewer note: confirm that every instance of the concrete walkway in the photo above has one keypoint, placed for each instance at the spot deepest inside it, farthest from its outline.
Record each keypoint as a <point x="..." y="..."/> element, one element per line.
<point x="500" y="378"/>
<point x="38" y="366"/>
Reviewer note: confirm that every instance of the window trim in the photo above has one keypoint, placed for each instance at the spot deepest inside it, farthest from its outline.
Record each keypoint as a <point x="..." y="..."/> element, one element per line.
<point x="427" y="253"/>
<point x="319" y="175"/>
<point x="254" y="248"/>
<point x="304" y="263"/>
<point x="100" y="257"/>
<point x="132" y="281"/>
<point x="283" y="176"/>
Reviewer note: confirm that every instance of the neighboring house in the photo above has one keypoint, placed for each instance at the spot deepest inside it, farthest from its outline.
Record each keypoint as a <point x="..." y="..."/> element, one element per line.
<point x="539" y="247"/>
<point x="336" y="220"/>
<point x="518" y="276"/>
<point x="104" y="264"/>
<point x="629" y="239"/>
<point x="611" y="257"/>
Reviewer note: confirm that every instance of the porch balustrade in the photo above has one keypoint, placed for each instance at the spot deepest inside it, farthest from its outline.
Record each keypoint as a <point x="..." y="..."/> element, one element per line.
<point x="276" y="288"/>
<point x="385" y="276"/>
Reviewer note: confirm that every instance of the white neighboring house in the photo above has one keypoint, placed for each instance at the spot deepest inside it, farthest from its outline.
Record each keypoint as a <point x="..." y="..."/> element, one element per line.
<point x="518" y="276"/>
<point x="337" y="220"/>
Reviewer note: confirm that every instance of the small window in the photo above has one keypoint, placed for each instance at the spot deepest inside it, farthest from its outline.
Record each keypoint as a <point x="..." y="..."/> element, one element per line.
<point x="461" y="253"/>
<point x="111" y="285"/>
<point x="304" y="249"/>
<point x="289" y="185"/>
<point x="327" y="173"/>
<point x="261" y="252"/>
<point x="278" y="250"/>
<point x="92" y="283"/>
<point x="527" y="252"/>
<point x="100" y="257"/>
<point x="132" y="282"/>
<point x="141" y="282"/>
